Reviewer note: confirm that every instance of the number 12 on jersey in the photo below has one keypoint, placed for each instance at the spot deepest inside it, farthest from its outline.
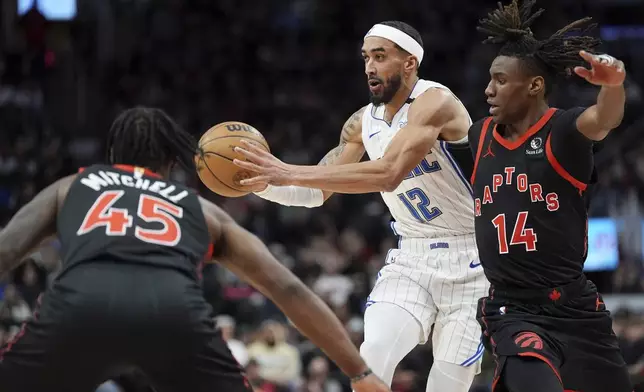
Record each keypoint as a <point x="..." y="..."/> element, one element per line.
<point x="520" y="235"/>
<point x="420" y="210"/>
<point x="118" y="220"/>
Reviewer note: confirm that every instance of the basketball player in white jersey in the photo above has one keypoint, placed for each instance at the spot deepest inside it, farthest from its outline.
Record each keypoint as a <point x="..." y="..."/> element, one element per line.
<point x="412" y="131"/>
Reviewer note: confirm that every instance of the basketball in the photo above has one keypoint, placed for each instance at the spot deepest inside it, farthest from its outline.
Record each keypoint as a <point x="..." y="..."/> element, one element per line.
<point x="214" y="159"/>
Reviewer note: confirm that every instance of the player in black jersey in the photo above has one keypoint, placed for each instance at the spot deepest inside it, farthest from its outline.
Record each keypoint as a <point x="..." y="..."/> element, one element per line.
<point x="133" y="243"/>
<point x="544" y="322"/>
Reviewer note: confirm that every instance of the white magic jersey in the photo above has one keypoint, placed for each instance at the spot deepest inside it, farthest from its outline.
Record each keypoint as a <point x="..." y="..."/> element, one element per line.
<point x="435" y="199"/>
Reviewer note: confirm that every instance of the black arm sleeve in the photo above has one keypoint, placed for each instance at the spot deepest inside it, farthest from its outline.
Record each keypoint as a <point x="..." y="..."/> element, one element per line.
<point x="473" y="136"/>
<point x="571" y="148"/>
<point x="463" y="157"/>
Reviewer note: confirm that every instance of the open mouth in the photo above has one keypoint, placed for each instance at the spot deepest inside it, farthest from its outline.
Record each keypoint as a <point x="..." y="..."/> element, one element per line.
<point x="374" y="84"/>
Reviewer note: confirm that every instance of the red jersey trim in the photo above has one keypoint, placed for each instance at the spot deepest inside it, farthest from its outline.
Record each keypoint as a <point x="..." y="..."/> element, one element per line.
<point x="486" y="125"/>
<point x="211" y="250"/>
<point x="513" y="145"/>
<point x="131" y="169"/>
<point x="206" y="259"/>
<point x="544" y="359"/>
<point x="134" y="169"/>
<point x="560" y="170"/>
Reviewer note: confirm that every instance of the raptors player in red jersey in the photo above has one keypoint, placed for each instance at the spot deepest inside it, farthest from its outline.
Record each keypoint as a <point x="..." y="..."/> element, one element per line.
<point x="544" y="322"/>
<point x="133" y="242"/>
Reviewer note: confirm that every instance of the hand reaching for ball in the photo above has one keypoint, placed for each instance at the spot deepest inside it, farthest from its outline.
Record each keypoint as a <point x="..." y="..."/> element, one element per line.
<point x="268" y="168"/>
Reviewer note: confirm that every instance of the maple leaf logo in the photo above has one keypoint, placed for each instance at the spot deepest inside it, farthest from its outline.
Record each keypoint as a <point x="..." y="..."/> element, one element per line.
<point x="554" y="295"/>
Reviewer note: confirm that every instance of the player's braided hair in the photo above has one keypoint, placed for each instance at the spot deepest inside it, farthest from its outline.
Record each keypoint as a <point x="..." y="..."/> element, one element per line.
<point x="148" y="137"/>
<point x="510" y="26"/>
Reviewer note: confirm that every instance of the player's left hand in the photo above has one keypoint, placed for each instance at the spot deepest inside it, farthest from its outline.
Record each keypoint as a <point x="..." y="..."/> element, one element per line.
<point x="266" y="166"/>
<point x="604" y="70"/>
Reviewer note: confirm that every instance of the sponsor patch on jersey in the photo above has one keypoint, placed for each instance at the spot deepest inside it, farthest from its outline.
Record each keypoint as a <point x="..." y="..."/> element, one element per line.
<point x="534" y="148"/>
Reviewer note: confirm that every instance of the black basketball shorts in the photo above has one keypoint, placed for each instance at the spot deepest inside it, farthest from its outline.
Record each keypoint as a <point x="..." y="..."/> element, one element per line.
<point x="567" y="327"/>
<point x="102" y="317"/>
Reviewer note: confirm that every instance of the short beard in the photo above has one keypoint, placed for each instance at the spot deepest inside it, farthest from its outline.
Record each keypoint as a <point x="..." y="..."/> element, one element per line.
<point x="392" y="86"/>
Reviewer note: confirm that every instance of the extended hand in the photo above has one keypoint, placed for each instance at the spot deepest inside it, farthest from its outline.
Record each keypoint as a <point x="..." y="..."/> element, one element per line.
<point x="267" y="167"/>
<point x="604" y="70"/>
<point x="371" y="383"/>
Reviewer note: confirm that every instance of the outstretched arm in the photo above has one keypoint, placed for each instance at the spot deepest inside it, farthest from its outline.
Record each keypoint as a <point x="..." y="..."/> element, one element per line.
<point x="245" y="255"/>
<point x="349" y="150"/>
<point x="598" y="120"/>
<point x="32" y="224"/>
<point x="433" y="112"/>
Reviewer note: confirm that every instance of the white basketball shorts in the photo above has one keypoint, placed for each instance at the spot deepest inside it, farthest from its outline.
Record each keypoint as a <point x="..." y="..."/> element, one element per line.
<point x="438" y="281"/>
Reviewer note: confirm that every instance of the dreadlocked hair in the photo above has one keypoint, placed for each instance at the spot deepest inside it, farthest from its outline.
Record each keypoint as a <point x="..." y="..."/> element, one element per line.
<point x="510" y="26"/>
<point x="148" y="137"/>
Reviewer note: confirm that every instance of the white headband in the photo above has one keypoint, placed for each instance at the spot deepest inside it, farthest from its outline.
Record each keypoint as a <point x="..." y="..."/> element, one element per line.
<point x="399" y="38"/>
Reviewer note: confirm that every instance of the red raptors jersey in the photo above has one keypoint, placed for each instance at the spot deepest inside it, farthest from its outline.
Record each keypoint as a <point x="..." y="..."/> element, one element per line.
<point x="530" y="212"/>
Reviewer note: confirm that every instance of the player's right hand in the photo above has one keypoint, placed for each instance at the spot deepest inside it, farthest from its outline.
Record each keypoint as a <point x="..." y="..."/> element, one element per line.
<point x="266" y="166"/>
<point x="371" y="383"/>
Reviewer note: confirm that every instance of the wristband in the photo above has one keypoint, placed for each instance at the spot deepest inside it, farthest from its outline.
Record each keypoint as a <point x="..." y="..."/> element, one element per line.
<point x="362" y="376"/>
<point x="293" y="196"/>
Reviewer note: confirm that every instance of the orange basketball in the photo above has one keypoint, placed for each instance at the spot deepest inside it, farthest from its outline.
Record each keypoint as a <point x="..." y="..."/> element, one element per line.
<point x="215" y="156"/>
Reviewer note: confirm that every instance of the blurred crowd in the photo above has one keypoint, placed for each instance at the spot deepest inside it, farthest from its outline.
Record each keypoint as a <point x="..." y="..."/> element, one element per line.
<point x="292" y="69"/>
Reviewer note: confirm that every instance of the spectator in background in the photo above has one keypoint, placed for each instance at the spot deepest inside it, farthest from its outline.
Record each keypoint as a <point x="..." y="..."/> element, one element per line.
<point x="14" y="310"/>
<point x="629" y="328"/>
<point x="226" y="325"/>
<point x="404" y="381"/>
<point x="621" y="318"/>
<point x="109" y="386"/>
<point x="628" y="276"/>
<point x="30" y="281"/>
<point x="279" y="362"/>
<point x="355" y="327"/>
<point x="4" y="334"/>
<point x="331" y="285"/>
<point x="256" y="381"/>
<point x="318" y="377"/>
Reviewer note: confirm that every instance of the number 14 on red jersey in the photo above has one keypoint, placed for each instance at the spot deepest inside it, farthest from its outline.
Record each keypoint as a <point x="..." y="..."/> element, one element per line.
<point x="520" y="235"/>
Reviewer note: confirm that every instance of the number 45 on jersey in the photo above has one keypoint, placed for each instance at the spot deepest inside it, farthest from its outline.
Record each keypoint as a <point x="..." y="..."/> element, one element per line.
<point x="118" y="220"/>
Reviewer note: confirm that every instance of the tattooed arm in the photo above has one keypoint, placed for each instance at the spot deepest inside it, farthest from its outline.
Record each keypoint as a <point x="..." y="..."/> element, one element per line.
<point x="433" y="113"/>
<point x="350" y="149"/>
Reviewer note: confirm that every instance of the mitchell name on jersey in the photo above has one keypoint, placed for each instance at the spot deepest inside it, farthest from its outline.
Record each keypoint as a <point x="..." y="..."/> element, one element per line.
<point x="105" y="178"/>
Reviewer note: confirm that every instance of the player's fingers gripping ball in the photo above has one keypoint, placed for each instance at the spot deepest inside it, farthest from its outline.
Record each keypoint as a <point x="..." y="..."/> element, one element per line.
<point x="215" y="155"/>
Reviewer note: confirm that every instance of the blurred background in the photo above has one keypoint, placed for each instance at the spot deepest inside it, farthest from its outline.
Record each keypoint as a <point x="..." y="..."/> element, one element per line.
<point x="292" y="69"/>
